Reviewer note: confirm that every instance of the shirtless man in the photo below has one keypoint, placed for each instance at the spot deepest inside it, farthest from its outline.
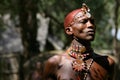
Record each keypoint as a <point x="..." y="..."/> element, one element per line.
<point x="79" y="62"/>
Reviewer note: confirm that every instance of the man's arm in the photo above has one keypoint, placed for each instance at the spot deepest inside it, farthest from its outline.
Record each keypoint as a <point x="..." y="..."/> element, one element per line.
<point x="51" y="68"/>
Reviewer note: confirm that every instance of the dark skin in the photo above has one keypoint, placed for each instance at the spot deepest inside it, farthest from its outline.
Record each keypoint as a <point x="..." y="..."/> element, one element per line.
<point x="59" y="67"/>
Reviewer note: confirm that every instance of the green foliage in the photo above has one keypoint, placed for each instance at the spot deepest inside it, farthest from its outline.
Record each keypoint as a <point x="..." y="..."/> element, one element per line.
<point x="8" y="6"/>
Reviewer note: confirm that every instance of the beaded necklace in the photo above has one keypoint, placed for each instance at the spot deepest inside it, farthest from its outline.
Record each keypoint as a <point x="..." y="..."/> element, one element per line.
<point x="79" y="64"/>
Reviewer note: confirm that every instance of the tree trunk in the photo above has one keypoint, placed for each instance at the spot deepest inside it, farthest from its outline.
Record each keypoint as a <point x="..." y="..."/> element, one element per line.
<point x="115" y="41"/>
<point x="28" y="24"/>
<point x="116" y="25"/>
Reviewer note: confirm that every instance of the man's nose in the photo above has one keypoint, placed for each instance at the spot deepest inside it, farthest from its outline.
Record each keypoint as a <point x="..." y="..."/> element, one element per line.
<point x="89" y="24"/>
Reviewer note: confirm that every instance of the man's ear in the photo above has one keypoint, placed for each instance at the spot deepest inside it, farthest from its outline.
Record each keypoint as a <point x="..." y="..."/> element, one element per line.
<point x="69" y="30"/>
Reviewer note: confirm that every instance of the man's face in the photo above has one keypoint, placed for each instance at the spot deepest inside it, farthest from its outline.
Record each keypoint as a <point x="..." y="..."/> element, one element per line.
<point x="84" y="28"/>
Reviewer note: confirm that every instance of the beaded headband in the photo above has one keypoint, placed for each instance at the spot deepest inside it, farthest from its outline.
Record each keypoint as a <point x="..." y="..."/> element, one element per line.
<point x="85" y="11"/>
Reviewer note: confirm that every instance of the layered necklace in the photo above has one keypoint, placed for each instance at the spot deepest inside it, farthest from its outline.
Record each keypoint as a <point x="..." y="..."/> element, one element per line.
<point x="80" y="64"/>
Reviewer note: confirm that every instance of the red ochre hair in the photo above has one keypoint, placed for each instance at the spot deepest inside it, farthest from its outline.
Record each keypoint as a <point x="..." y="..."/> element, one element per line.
<point x="69" y="18"/>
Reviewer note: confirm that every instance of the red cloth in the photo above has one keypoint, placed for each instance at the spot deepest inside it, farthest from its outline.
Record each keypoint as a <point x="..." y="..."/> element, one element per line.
<point x="69" y="18"/>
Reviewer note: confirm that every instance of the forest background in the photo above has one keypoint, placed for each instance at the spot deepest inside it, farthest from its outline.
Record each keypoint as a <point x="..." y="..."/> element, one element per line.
<point x="32" y="30"/>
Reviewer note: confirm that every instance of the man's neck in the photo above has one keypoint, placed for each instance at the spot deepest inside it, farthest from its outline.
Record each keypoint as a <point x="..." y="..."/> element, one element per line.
<point x="83" y="43"/>
<point x="80" y="50"/>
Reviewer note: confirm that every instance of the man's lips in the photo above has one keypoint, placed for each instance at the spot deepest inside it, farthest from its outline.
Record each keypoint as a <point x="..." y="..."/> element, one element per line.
<point x="89" y="31"/>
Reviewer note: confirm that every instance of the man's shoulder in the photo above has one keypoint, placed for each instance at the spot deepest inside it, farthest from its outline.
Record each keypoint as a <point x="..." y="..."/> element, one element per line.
<point x="104" y="60"/>
<point x="99" y="56"/>
<point x="55" y="58"/>
<point x="104" y="57"/>
<point x="111" y="61"/>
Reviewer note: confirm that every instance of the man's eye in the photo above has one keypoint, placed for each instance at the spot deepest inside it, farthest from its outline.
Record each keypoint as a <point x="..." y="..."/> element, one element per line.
<point x="83" y="21"/>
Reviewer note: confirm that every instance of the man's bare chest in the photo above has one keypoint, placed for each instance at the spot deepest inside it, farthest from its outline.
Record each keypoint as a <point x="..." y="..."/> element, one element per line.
<point x="65" y="71"/>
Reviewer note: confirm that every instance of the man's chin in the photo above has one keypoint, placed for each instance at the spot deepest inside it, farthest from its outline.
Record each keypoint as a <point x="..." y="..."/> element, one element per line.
<point x="90" y="39"/>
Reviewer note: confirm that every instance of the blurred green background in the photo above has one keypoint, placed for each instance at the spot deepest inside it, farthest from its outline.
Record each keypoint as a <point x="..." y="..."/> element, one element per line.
<point x="32" y="30"/>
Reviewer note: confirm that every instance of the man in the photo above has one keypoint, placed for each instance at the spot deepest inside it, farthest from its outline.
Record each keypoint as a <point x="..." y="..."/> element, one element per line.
<point x="79" y="62"/>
